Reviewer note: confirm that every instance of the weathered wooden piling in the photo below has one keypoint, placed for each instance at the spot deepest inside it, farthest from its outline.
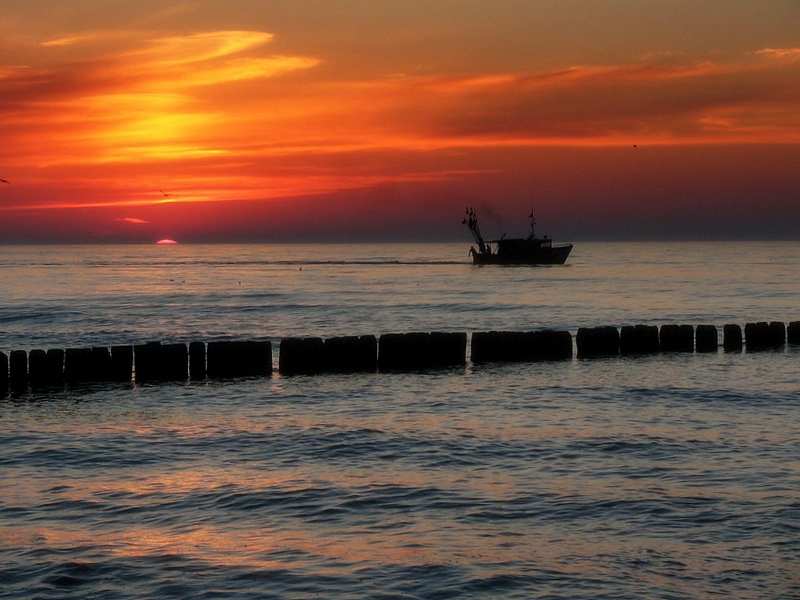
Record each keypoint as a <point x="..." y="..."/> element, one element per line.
<point x="597" y="341"/>
<point x="418" y="350"/>
<point x="37" y="360"/>
<point x="161" y="362"/>
<point x="755" y="335"/>
<point x="197" y="361"/>
<point x="54" y="367"/>
<point x="101" y="364"/>
<point x="176" y="362"/>
<point x="78" y="365"/>
<point x="350" y="354"/>
<point x="3" y="373"/>
<point x="638" y="339"/>
<point x="121" y="368"/>
<point x="520" y="346"/>
<point x="301" y="356"/>
<point x="706" y="338"/>
<point x="764" y="336"/>
<point x="392" y="352"/>
<point x="777" y="334"/>
<point x="147" y="362"/>
<point x="505" y="346"/>
<point x="230" y="359"/>
<point x="676" y="338"/>
<point x="45" y="368"/>
<point x="793" y="333"/>
<point x="498" y="346"/>
<point x="447" y="349"/>
<point x="404" y="351"/>
<point x="732" y="337"/>
<point x="18" y="373"/>
<point x="552" y="345"/>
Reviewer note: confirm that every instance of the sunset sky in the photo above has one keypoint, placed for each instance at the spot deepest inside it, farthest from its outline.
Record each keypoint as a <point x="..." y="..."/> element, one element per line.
<point x="319" y="120"/>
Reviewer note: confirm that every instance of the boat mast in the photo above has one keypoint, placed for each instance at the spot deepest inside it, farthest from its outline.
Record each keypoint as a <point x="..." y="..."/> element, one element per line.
<point x="533" y="223"/>
<point x="472" y="222"/>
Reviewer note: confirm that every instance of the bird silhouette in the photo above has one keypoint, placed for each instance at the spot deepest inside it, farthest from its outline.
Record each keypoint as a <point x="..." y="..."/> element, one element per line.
<point x="166" y="195"/>
<point x="4" y="181"/>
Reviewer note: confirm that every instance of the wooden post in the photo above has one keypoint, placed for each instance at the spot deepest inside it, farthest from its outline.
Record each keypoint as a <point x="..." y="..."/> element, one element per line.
<point x="638" y="339"/>
<point x="121" y="364"/>
<point x="197" y="361"/>
<point x="597" y="341"/>
<point x="793" y="333"/>
<point x="732" y="338"/>
<point x="448" y="349"/>
<point x="350" y="354"/>
<point x="37" y="369"/>
<point x="3" y="374"/>
<point x="301" y="356"/>
<point x="101" y="364"/>
<point x="676" y="338"/>
<point x="18" y="374"/>
<point x="175" y="360"/>
<point x="229" y="359"/>
<point x="78" y="365"/>
<point x="147" y="362"/>
<point x="707" y="339"/>
<point x="553" y="345"/>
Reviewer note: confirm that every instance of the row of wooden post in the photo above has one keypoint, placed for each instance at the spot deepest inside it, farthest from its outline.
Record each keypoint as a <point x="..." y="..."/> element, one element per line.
<point x="650" y="339"/>
<point x="197" y="361"/>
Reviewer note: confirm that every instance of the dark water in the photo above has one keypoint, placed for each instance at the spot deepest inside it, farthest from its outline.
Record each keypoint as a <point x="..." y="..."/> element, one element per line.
<point x="671" y="476"/>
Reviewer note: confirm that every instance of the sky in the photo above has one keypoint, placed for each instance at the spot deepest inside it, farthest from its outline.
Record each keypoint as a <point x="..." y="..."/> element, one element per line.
<point x="382" y="120"/>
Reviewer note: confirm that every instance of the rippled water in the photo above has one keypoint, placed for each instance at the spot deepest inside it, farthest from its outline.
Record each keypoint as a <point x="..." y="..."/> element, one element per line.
<point x="669" y="476"/>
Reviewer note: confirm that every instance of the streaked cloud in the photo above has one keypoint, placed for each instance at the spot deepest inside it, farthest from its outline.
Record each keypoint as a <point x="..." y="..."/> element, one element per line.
<point x="226" y="110"/>
<point x="133" y="221"/>
<point x="780" y="53"/>
<point x="69" y="40"/>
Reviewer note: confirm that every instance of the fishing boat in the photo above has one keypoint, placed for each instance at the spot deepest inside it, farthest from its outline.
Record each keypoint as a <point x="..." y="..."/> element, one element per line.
<point x="515" y="251"/>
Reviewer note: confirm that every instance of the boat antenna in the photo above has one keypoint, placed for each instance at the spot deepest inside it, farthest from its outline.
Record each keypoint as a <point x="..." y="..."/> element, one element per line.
<point x="533" y="223"/>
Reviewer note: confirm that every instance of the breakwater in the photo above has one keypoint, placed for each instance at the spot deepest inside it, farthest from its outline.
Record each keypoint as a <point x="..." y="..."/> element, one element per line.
<point x="391" y="352"/>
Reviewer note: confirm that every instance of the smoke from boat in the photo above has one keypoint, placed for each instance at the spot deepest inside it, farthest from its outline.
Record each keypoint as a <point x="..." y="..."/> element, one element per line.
<point x="492" y="221"/>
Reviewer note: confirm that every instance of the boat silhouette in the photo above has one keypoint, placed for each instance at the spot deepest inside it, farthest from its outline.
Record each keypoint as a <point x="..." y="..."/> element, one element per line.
<point x="531" y="250"/>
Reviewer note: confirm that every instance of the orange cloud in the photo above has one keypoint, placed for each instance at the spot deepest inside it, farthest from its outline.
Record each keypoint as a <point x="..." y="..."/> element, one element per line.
<point x="135" y="106"/>
<point x="745" y="101"/>
<point x="218" y="117"/>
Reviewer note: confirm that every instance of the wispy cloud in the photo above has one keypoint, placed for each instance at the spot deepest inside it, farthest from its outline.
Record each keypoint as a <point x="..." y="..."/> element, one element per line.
<point x="67" y="40"/>
<point x="781" y="53"/>
<point x="219" y="115"/>
<point x="137" y="105"/>
<point x="758" y="100"/>
<point x="133" y="221"/>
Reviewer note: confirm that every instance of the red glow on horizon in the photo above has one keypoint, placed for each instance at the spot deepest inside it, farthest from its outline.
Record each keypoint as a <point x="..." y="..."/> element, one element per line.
<point x="165" y="242"/>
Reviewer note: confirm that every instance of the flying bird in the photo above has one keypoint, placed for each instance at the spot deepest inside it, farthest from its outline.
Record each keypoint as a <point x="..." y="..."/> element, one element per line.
<point x="166" y="195"/>
<point x="4" y="181"/>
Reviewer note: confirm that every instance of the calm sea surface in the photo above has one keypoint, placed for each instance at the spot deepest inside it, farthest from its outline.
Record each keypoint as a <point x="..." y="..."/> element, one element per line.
<point x="668" y="476"/>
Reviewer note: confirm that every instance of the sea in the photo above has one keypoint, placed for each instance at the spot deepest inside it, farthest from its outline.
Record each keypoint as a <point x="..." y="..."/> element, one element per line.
<point x="667" y="476"/>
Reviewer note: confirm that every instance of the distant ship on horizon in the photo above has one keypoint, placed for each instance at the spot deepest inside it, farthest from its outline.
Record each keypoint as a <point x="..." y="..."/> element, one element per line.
<point x="515" y="251"/>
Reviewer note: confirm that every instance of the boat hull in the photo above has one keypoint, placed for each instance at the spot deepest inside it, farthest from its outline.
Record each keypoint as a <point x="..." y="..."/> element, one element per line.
<point x="555" y="255"/>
